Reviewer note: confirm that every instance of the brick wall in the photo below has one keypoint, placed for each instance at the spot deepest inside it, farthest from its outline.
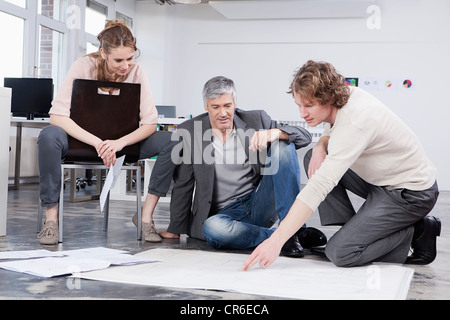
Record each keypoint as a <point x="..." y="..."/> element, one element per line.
<point x="46" y="42"/>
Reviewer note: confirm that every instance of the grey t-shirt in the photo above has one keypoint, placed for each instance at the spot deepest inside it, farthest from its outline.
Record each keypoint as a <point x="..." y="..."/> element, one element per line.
<point x="234" y="176"/>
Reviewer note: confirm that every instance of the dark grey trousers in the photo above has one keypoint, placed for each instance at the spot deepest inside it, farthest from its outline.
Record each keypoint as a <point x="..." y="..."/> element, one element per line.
<point x="381" y="230"/>
<point x="53" y="146"/>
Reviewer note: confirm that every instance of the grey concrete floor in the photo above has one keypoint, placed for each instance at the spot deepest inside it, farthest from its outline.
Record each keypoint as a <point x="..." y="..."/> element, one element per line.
<point x="83" y="228"/>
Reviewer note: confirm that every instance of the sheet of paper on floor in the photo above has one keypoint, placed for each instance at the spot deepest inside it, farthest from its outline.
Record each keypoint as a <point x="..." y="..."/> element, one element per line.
<point x="28" y="254"/>
<point x="286" y="278"/>
<point x="114" y="256"/>
<point x="70" y="261"/>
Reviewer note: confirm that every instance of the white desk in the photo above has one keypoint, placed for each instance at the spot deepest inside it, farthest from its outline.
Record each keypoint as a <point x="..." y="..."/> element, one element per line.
<point x="5" y="114"/>
<point x="171" y="121"/>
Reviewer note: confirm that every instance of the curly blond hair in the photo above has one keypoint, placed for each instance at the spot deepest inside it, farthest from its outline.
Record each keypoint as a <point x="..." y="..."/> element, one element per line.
<point x="321" y="82"/>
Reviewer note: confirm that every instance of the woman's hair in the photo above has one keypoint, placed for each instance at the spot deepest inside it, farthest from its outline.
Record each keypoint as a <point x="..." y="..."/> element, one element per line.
<point x="321" y="82"/>
<point x="218" y="86"/>
<point x="116" y="34"/>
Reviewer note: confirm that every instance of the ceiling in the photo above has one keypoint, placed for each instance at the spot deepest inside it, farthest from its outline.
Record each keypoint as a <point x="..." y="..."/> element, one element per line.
<point x="286" y="9"/>
<point x="170" y="2"/>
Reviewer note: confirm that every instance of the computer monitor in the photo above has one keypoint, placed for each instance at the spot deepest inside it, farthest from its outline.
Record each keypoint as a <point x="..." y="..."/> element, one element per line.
<point x="31" y="97"/>
<point x="167" y="111"/>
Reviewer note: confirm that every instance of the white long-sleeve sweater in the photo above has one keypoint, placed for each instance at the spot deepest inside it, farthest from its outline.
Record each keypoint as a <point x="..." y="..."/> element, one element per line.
<point x="377" y="145"/>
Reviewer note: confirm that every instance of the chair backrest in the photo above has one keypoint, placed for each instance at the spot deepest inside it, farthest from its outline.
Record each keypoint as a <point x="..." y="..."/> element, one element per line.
<point x="108" y="116"/>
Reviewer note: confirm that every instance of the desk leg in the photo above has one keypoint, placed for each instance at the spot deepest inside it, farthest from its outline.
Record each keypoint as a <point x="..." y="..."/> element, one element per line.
<point x="15" y="186"/>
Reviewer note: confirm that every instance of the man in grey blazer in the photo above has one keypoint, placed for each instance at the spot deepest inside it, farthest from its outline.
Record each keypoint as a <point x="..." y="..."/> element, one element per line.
<point x="237" y="174"/>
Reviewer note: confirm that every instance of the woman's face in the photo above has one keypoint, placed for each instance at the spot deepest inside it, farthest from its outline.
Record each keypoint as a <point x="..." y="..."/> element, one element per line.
<point x="119" y="60"/>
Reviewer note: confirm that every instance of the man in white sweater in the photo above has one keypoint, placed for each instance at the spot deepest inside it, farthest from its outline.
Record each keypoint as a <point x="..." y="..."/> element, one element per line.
<point x="367" y="149"/>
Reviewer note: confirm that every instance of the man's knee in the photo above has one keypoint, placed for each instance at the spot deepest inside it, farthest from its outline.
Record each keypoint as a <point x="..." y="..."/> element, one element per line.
<point x="217" y="231"/>
<point x="286" y="151"/>
<point x="341" y="255"/>
<point x="281" y="155"/>
<point x="333" y="253"/>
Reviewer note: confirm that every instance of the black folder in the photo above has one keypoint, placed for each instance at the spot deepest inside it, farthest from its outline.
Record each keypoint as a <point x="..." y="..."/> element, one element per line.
<point x="108" y="116"/>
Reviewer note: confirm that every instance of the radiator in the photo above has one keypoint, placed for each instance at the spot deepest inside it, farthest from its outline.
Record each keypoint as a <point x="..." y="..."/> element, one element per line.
<point x="28" y="160"/>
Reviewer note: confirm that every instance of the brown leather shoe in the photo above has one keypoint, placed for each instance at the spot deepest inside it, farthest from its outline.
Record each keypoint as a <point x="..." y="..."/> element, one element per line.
<point x="49" y="234"/>
<point x="148" y="231"/>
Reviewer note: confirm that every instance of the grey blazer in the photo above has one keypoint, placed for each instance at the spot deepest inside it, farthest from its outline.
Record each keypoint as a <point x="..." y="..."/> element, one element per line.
<point x="192" y="192"/>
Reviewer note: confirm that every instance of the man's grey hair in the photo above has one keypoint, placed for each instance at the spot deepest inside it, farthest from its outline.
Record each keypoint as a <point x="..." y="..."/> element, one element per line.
<point x="218" y="86"/>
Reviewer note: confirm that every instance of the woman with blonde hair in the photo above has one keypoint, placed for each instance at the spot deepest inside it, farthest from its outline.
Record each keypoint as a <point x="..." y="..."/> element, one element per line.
<point x="114" y="61"/>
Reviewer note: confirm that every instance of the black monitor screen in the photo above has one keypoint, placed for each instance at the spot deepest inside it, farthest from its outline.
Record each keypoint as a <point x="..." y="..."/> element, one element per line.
<point x="30" y="97"/>
<point x="167" y="111"/>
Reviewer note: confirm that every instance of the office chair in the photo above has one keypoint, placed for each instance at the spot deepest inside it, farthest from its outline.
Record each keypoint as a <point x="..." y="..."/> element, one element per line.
<point x="108" y="116"/>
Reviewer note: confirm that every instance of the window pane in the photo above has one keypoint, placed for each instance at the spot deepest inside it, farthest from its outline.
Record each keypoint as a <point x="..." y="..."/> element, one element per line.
<point x="20" y="3"/>
<point x="90" y="48"/>
<point x="13" y="57"/>
<point x="95" y="17"/>
<point x="51" y="44"/>
<point x="124" y="18"/>
<point x="54" y="9"/>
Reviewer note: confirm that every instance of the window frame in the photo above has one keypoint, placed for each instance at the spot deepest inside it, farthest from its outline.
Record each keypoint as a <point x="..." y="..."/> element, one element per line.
<point x="32" y="23"/>
<point x="114" y="7"/>
<point x="75" y="39"/>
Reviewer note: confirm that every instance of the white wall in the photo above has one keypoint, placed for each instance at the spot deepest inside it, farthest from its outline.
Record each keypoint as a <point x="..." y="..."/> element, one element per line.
<point x="183" y="46"/>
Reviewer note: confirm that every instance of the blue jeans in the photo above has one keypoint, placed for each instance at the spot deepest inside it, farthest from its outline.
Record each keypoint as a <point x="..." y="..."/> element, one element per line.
<point x="247" y="222"/>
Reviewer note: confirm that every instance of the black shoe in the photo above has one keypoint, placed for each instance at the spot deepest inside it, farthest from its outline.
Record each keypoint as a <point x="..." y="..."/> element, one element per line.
<point x="424" y="247"/>
<point x="311" y="237"/>
<point x="318" y="251"/>
<point x="292" y="248"/>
